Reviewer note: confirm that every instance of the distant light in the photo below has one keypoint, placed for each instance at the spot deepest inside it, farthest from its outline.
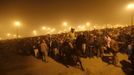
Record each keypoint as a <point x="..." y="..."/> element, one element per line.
<point x="19" y="36"/>
<point x="87" y="24"/>
<point x="17" y="23"/>
<point x="43" y="27"/>
<point x="59" y="32"/>
<point x="81" y="27"/>
<point x="48" y="32"/>
<point x="0" y="38"/>
<point x="126" y="25"/>
<point x="14" y="35"/>
<point x="130" y="6"/>
<point x="94" y="27"/>
<point x="64" y="23"/>
<point x="8" y="34"/>
<point x="48" y="28"/>
<point x="70" y="28"/>
<point x="34" y="32"/>
<point x="117" y="25"/>
<point x="53" y="30"/>
<point x="64" y="30"/>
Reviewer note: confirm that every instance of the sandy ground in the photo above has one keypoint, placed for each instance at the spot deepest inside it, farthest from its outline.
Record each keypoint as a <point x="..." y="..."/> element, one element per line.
<point x="14" y="64"/>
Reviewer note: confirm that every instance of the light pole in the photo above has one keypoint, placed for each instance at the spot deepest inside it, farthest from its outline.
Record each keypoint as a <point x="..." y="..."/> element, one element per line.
<point x="17" y="24"/>
<point x="88" y="24"/>
<point x="131" y="7"/>
<point x="65" y="24"/>
<point x="44" y="29"/>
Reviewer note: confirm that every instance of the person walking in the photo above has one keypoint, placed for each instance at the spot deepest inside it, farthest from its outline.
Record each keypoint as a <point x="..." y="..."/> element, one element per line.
<point x="44" y="50"/>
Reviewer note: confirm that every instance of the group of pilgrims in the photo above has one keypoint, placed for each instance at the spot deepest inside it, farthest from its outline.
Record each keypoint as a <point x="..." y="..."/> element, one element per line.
<point x="69" y="48"/>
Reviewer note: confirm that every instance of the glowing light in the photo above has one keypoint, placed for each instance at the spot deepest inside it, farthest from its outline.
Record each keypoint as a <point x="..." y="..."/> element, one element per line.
<point x="65" y="24"/>
<point x="48" y="32"/>
<point x="87" y="24"/>
<point x="0" y="38"/>
<point x="19" y="36"/>
<point x="34" y="32"/>
<point x="17" y="23"/>
<point x="59" y="32"/>
<point x="14" y="35"/>
<point x="8" y="34"/>
<point x="43" y="28"/>
<point x="81" y="27"/>
<point x="130" y="6"/>
<point x="64" y="30"/>
<point x="94" y="27"/>
<point x="126" y="25"/>
<point x="117" y="25"/>
<point x="70" y="28"/>
<point x="48" y="28"/>
<point x="53" y="30"/>
<point x="78" y="26"/>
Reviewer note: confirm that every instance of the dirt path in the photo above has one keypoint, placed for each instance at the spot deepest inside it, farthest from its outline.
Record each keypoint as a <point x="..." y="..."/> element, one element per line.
<point x="14" y="64"/>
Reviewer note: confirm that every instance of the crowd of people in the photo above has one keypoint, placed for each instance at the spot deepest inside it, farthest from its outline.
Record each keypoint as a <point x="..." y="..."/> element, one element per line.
<point x="70" y="47"/>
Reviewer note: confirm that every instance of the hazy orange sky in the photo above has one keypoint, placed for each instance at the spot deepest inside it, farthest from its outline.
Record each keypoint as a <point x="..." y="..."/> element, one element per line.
<point x="36" y="13"/>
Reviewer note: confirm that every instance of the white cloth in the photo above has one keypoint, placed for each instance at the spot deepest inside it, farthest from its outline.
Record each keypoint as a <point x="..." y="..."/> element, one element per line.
<point x="108" y="40"/>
